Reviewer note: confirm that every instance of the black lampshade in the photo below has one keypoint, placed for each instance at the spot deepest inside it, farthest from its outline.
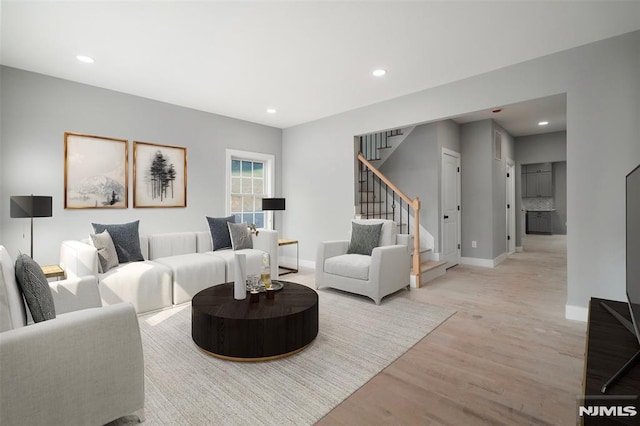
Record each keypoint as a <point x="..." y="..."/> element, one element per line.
<point x="273" y="204"/>
<point x="31" y="206"/>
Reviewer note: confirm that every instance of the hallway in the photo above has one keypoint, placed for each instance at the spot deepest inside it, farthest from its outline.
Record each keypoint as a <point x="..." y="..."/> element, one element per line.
<point x="507" y="357"/>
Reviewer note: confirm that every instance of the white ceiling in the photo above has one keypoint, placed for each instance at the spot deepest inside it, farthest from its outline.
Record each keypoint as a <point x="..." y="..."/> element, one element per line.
<point x="521" y="119"/>
<point x="306" y="59"/>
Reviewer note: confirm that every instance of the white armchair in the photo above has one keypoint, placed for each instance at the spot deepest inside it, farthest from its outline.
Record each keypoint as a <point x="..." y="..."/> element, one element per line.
<point x="83" y="367"/>
<point x="386" y="271"/>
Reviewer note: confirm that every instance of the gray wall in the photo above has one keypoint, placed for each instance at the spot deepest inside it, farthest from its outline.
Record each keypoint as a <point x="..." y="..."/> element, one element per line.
<point x="37" y="110"/>
<point x="416" y="168"/>
<point x="449" y="135"/>
<point x="542" y="148"/>
<point x="603" y="89"/>
<point x="476" y="176"/>
<point x="413" y="167"/>
<point x="545" y="147"/>
<point x="484" y="190"/>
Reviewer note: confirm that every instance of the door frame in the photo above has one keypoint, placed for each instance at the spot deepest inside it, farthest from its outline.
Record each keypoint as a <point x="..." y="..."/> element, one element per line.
<point x="457" y="156"/>
<point x="511" y="210"/>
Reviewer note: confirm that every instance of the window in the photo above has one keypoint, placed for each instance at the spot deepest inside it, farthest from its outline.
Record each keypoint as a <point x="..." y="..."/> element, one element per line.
<point x="250" y="179"/>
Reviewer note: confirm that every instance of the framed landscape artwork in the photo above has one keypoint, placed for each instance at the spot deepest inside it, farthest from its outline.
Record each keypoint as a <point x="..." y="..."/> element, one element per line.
<point x="95" y="172"/>
<point x="159" y="175"/>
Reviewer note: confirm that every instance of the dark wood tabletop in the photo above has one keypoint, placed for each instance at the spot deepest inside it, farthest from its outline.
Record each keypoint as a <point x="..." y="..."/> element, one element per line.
<point x="245" y="331"/>
<point x="609" y="346"/>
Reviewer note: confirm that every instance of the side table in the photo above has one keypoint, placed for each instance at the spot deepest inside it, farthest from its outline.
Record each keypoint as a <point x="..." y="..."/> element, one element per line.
<point x="53" y="271"/>
<point x="284" y="242"/>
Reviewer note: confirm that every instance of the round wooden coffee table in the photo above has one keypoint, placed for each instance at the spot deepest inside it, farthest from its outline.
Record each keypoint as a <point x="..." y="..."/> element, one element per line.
<point x="243" y="331"/>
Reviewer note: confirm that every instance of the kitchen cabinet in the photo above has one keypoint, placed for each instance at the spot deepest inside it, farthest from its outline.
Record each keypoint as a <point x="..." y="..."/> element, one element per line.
<point x="539" y="222"/>
<point x="538" y="168"/>
<point x="537" y="180"/>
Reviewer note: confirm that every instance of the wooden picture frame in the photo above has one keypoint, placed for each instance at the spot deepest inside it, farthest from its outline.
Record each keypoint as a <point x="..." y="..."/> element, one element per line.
<point x="95" y="172"/>
<point x="159" y="175"/>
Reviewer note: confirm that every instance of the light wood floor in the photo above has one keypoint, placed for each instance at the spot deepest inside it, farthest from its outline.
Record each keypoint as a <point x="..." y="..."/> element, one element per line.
<point x="507" y="356"/>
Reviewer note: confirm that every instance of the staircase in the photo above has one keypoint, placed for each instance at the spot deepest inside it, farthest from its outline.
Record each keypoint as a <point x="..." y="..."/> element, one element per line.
<point x="377" y="197"/>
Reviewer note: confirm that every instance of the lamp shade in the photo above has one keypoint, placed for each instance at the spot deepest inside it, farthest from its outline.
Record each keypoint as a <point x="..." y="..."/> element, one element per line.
<point x="273" y="204"/>
<point x="31" y="206"/>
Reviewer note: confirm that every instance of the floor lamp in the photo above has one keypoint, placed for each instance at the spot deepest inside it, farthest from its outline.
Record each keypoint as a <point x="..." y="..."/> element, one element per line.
<point x="273" y="204"/>
<point x="31" y="206"/>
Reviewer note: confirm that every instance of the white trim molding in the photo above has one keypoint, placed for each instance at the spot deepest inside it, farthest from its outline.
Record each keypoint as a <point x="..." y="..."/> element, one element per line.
<point x="269" y="177"/>
<point x="291" y="261"/>
<point x="576" y="313"/>
<point x="457" y="156"/>
<point x="474" y="261"/>
<point x="485" y="263"/>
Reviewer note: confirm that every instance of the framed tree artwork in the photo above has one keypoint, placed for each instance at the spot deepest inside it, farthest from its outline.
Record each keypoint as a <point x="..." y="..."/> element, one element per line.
<point x="95" y="172"/>
<point x="159" y="175"/>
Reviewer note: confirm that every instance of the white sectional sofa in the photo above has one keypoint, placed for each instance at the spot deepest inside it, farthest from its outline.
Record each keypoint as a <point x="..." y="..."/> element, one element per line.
<point x="176" y="267"/>
<point x="83" y="367"/>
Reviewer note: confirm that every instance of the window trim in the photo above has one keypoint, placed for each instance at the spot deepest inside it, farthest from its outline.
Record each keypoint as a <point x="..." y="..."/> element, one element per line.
<point x="269" y="177"/>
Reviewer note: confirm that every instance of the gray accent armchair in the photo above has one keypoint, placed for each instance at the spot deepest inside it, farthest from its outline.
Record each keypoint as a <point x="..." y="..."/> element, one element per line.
<point x="386" y="271"/>
<point x="84" y="367"/>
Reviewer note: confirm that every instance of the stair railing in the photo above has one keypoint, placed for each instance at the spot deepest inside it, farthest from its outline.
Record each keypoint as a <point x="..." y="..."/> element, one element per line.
<point x="413" y="203"/>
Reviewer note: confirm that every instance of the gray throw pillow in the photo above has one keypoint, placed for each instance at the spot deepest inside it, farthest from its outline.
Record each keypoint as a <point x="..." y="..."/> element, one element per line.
<point x="125" y="238"/>
<point x="35" y="288"/>
<point x="364" y="238"/>
<point x="240" y="236"/>
<point x="220" y="231"/>
<point x="107" y="254"/>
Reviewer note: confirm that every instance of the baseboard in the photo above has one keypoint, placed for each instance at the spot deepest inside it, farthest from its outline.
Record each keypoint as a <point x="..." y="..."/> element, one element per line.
<point x="485" y="263"/>
<point x="498" y="260"/>
<point x="519" y="249"/>
<point x="576" y="313"/>
<point x="474" y="261"/>
<point x="291" y="262"/>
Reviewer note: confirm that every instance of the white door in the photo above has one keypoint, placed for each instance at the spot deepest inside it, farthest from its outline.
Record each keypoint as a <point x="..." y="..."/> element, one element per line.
<point x="450" y="207"/>
<point x="511" y="208"/>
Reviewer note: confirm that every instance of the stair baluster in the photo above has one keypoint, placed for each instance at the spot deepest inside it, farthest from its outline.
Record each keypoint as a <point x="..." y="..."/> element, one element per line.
<point x="378" y="179"/>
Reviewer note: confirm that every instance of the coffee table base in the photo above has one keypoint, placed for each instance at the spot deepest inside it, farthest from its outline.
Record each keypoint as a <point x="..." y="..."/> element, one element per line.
<point x="260" y="359"/>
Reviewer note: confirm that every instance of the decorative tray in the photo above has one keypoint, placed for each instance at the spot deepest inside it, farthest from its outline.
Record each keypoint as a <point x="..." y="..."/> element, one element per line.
<point x="277" y="285"/>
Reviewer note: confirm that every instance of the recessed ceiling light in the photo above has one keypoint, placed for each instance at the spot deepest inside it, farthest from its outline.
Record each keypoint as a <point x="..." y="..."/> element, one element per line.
<point x="85" y="59"/>
<point x="543" y="123"/>
<point x="271" y="110"/>
<point x="379" y="72"/>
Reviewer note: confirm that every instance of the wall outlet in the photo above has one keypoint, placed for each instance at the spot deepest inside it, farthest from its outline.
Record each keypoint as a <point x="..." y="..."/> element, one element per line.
<point x="474" y="244"/>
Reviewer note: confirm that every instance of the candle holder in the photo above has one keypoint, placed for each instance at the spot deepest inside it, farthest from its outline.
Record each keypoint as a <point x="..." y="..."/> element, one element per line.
<point x="254" y="296"/>
<point x="271" y="293"/>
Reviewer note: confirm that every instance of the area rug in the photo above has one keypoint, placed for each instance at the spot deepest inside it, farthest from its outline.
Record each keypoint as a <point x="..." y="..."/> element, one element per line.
<point x="357" y="340"/>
